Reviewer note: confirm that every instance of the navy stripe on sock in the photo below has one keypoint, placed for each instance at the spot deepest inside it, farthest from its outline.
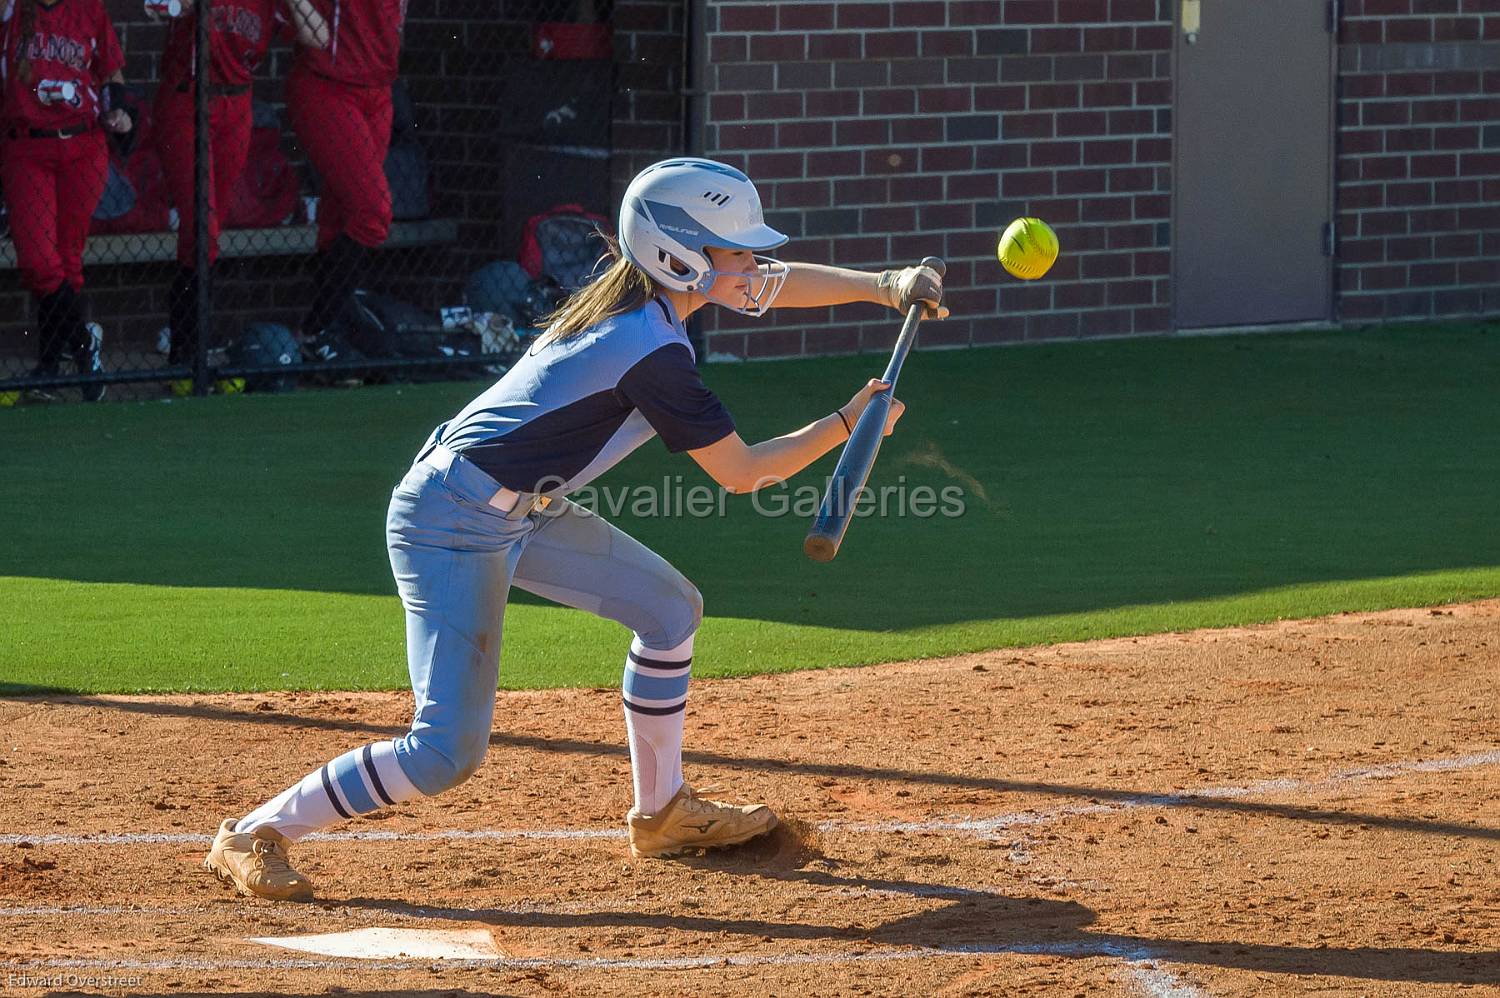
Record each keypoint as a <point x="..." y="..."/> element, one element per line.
<point x="369" y="760"/>
<point x="656" y="711"/>
<point x="333" y="797"/>
<point x="656" y="663"/>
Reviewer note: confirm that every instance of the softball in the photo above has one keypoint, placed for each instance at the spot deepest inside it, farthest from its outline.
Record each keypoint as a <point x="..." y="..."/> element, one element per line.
<point x="1028" y="248"/>
<point x="8" y="399"/>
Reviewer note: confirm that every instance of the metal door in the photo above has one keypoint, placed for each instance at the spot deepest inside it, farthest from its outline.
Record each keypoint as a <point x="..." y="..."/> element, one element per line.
<point x="1253" y="173"/>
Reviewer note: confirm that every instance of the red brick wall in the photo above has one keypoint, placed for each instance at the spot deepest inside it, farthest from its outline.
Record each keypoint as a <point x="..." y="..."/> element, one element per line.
<point x="1419" y="164"/>
<point x="881" y="132"/>
<point x="884" y="131"/>
<point x="649" y="51"/>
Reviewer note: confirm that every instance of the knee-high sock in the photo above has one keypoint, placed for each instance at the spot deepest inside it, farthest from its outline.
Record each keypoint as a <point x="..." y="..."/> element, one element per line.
<point x="338" y="271"/>
<point x="60" y="325"/>
<point x="655" y="693"/>
<point x="357" y="782"/>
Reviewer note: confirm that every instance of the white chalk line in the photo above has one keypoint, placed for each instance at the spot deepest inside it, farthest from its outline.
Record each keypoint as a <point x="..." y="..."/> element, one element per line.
<point x="1137" y="960"/>
<point x="975" y="826"/>
<point x="199" y="839"/>
<point x="44" y="910"/>
<point x="1142" y="967"/>
<point x="1182" y="798"/>
<point x="1146" y="972"/>
<point x="1158" y="983"/>
<point x="417" y="912"/>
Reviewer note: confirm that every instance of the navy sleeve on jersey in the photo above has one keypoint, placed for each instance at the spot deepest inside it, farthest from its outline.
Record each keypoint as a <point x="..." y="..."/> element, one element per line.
<point x="668" y="390"/>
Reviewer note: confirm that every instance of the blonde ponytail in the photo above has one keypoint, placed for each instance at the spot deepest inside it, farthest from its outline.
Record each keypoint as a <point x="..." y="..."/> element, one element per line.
<point x="622" y="288"/>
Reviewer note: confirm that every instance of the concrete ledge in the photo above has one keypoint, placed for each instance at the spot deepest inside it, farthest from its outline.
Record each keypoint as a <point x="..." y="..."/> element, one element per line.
<point x="283" y="240"/>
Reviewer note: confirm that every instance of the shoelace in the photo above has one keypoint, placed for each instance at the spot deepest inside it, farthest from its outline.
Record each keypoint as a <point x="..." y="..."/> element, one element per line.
<point x="272" y="857"/>
<point x="700" y="805"/>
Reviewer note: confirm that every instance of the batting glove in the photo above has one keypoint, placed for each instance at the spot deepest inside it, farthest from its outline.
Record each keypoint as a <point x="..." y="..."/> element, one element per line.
<point x="901" y="289"/>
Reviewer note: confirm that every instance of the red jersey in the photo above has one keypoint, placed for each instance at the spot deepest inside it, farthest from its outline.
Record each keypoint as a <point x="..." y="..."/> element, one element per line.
<point x="365" y="45"/>
<point x="73" y="50"/>
<point x="239" y="34"/>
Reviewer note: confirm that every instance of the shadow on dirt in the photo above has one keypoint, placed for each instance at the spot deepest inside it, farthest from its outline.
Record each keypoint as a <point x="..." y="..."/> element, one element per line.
<point x="977" y="922"/>
<point x="1076" y="793"/>
<point x="999" y="916"/>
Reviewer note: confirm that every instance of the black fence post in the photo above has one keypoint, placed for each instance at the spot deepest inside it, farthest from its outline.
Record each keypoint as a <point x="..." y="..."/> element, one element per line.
<point x="202" y="85"/>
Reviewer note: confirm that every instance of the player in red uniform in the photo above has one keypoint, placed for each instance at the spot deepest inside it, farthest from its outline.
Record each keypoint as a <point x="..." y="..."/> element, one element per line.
<point x="59" y="80"/>
<point x="240" y="32"/>
<point x="339" y="99"/>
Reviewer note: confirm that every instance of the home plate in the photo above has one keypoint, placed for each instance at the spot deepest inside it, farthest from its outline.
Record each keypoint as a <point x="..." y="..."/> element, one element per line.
<point x="389" y="944"/>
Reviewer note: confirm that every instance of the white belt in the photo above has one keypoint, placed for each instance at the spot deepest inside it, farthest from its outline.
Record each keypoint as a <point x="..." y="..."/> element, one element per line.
<point x="505" y="500"/>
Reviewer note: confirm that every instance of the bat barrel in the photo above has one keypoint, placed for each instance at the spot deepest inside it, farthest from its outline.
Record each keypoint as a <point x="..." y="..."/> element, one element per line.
<point x="849" y="477"/>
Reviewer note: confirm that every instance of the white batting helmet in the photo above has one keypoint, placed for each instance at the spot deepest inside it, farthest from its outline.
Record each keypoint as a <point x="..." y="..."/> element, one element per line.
<point x="676" y="209"/>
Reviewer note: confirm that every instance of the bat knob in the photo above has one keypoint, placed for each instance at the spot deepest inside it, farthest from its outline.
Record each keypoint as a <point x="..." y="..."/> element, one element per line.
<point x="935" y="264"/>
<point x="819" y="548"/>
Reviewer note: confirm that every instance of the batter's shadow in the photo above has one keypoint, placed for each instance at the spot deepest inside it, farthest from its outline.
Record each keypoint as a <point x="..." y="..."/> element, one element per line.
<point x="1027" y="915"/>
<point x="702" y="757"/>
<point x="980" y="921"/>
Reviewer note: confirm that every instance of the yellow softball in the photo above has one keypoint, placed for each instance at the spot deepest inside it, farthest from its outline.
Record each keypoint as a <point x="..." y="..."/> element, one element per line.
<point x="8" y="399"/>
<point x="1028" y="248"/>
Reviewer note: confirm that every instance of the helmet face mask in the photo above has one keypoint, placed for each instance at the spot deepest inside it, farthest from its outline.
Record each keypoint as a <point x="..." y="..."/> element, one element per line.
<point x="675" y="210"/>
<point x="749" y="292"/>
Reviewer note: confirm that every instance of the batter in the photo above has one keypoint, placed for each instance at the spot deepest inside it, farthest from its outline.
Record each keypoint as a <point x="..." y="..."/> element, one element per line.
<point x="484" y="507"/>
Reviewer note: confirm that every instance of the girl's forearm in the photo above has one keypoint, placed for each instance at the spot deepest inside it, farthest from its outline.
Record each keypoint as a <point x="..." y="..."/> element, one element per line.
<point x="810" y="285"/>
<point x="775" y="460"/>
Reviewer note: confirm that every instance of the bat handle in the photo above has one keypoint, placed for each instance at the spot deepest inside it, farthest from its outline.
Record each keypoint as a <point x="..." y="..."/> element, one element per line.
<point x="909" y="330"/>
<point x="853" y="469"/>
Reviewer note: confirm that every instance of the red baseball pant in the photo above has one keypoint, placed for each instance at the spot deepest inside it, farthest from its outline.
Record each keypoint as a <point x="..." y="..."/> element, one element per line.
<point x="52" y="187"/>
<point x="229" y="121"/>
<point x="346" y="131"/>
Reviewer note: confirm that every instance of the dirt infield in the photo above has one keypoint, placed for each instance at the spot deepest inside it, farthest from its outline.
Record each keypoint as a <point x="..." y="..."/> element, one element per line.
<point x="1303" y="807"/>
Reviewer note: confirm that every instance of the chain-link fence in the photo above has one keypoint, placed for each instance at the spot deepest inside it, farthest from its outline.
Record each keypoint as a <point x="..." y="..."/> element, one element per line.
<point x="356" y="195"/>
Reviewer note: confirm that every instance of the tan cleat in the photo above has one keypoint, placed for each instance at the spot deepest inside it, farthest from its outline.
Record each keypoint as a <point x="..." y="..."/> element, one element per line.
<point x="256" y="863"/>
<point x="692" y="822"/>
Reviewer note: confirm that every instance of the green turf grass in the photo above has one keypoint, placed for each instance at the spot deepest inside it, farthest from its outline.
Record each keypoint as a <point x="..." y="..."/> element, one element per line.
<point x="1112" y="488"/>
